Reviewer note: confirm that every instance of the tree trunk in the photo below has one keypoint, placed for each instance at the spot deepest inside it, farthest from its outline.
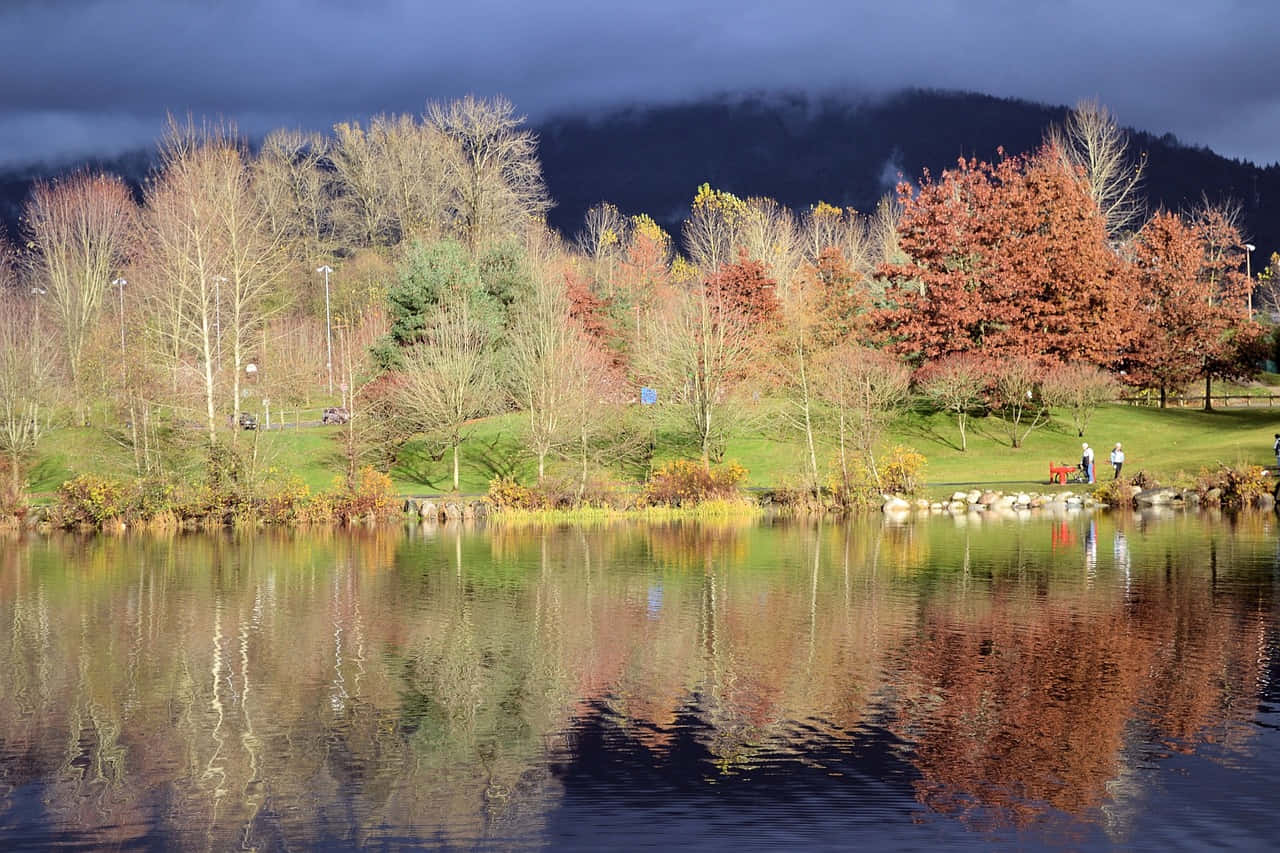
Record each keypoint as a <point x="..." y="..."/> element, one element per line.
<point x="706" y="440"/>
<point x="961" y="418"/>
<point x="208" y="402"/>
<point x="844" y="461"/>
<point x="808" y="421"/>
<point x="133" y="428"/>
<point x="1208" y="386"/>
<point x="1163" y="396"/>
<point x="455" y="467"/>
<point x="235" y="381"/>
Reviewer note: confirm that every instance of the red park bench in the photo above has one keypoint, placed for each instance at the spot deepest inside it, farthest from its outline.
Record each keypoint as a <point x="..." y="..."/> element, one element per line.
<point x="1059" y="473"/>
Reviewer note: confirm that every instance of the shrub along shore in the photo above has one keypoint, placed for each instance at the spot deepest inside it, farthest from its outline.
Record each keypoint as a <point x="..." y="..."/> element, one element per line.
<point x="1181" y="457"/>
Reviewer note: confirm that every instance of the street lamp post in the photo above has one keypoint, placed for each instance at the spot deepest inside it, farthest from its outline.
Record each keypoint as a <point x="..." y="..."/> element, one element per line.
<point x="1248" y="273"/>
<point x="119" y="284"/>
<point x="328" y="330"/>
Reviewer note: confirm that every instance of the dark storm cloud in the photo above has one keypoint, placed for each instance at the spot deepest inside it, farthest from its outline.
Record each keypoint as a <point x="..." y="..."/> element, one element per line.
<point x="81" y="76"/>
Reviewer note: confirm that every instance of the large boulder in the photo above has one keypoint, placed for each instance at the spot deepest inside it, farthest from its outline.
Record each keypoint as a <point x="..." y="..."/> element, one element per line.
<point x="1155" y="497"/>
<point x="893" y="503"/>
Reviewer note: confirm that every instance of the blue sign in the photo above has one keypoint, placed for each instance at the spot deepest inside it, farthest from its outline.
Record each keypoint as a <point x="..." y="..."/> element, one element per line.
<point x="648" y="396"/>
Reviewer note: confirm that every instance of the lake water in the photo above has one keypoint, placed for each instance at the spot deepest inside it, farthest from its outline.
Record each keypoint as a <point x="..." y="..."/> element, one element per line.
<point x="1061" y="681"/>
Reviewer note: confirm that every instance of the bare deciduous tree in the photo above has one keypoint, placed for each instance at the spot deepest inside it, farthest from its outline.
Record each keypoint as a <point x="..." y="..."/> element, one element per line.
<point x="8" y="267"/>
<point x="603" y="240"/>
<point x="28" y="386"/>
<point x="542" y="382"/>
<point x="1091" y="141"/>
<point x="360" y="209"/>
<point x="184" y="255"/>
<point x="412" y="157"/>
<point x="799" y="345"/>
<point x="491" y="169"/>
<point x="595" y="421"/>
<point x="81" y="231"/>
<point x="769" y="235"/>
<point x="448" y="378"/>
<point x="368" y="418"/>
<point x="955" y="384"/>
<point x="864" y="388"/>
<point x="292" y="187"/>
<point x="699" y="352"/>
<point x="713" y="232"/>
<point x="255" y="258"/>
<point x="212" y="260"/>
<point x="1015" y="386"/>
<point x="1080" y="389"/>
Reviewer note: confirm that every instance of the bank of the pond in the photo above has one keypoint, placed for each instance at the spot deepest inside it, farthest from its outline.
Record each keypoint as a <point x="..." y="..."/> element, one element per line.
<point x="1171" y="445"/>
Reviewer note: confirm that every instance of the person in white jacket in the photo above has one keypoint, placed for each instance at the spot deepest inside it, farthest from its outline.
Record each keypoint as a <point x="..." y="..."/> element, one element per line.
<point x="1117" y="459"/>
<point x="1086" y="461"/>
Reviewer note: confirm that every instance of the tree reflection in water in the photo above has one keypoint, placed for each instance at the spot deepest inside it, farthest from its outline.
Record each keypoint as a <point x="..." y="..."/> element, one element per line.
<point x="456" y="685"/>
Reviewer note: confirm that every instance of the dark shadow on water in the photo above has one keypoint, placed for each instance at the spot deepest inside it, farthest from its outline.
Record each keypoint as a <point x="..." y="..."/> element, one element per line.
<point x="666" y="787"/>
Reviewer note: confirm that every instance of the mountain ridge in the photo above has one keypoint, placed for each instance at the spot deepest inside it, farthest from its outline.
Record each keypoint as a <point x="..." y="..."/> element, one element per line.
<point x="798" y="149"/>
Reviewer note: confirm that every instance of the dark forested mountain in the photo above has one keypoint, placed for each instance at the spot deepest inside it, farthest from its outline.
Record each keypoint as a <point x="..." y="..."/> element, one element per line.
<point x="800" y="150"/>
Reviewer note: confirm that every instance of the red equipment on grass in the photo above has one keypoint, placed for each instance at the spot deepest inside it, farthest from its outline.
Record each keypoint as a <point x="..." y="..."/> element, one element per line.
<point x="1059" y="473"/>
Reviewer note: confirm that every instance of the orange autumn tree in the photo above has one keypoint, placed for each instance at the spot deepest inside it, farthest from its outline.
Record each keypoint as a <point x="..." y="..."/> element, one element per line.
<point x="1005" y="259"/>
<point x="746" y="289"/>
<point x="841" y="298"/>
<point x="1193" y="304"/>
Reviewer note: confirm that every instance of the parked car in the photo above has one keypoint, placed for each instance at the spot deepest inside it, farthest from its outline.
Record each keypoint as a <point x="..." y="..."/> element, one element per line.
<point x="248" y="421"/>
<point x="335" y="415"/>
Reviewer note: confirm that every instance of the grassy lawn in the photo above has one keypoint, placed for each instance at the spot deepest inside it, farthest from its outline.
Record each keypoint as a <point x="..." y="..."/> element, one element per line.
<point x="1169" y="444"/>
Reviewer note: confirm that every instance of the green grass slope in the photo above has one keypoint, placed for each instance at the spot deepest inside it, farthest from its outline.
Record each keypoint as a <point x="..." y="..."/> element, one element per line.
<point x="1169" y="444"/>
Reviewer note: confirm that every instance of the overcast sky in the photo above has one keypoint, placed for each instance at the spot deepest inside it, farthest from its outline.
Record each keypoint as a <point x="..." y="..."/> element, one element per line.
<point x="97" y="76"/>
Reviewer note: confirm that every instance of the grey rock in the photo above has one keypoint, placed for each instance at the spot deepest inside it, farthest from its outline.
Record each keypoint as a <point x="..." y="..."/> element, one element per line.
<point x="1155" y="497"/>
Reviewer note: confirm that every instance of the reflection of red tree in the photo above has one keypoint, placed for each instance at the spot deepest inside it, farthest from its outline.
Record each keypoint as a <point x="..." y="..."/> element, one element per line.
<point x="1028" y="702"/>
<point x="1013" y="712"/>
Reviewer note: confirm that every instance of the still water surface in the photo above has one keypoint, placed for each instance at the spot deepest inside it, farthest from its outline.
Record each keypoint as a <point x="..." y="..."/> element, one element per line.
<point x="1065" y="682"/>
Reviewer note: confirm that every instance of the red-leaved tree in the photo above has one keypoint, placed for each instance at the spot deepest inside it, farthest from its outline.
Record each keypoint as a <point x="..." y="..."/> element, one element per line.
<point x="1005" y="259"/>
<point x="745" y="289"/>
<point x="1193" y="306"/>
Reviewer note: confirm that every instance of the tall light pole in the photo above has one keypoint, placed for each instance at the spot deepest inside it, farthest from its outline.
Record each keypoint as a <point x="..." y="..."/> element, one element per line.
<point x="1248" y="273"/>
<point x="328" y="330"/>
<point x="119" y="284"/>
<point x="217" y="312"/>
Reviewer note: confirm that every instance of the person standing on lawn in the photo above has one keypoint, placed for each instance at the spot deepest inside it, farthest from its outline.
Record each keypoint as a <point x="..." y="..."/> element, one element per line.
<point x="1117" y="460"/>
<point x="1086" y="461"/>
